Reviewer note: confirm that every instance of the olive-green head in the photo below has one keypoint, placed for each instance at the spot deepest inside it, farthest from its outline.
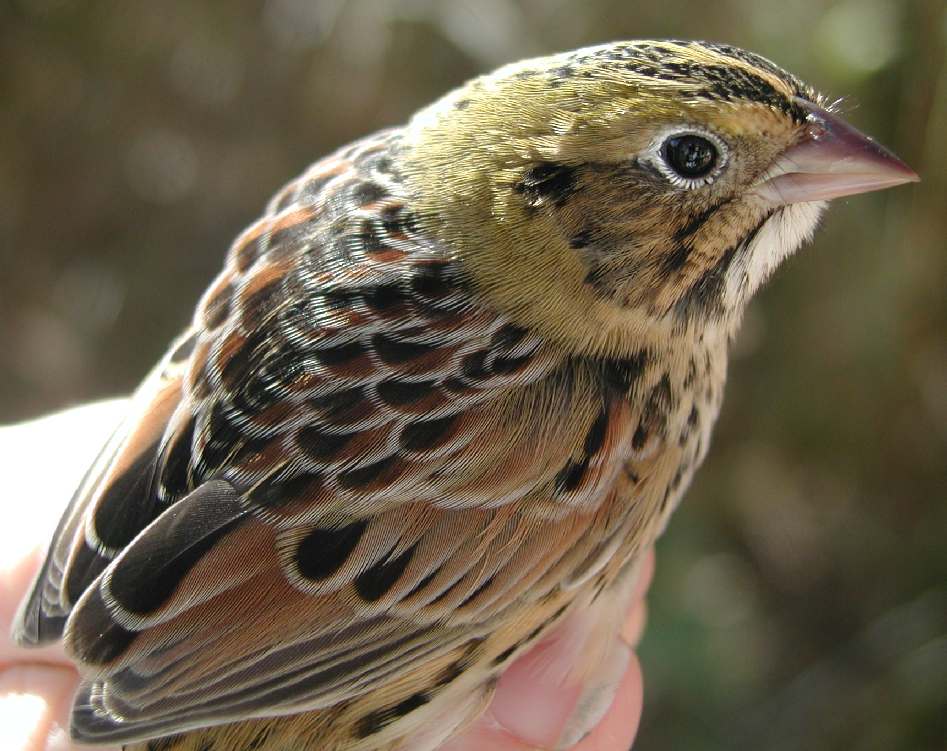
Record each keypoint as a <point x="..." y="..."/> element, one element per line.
<point x="634" y="190"/>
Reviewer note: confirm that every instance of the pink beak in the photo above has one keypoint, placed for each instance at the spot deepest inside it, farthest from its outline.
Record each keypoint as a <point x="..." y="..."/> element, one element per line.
<point x="832" y="160"/>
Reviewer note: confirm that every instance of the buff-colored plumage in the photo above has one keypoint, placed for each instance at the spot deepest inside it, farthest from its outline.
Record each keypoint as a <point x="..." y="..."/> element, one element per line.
<point x="441" y="395"/>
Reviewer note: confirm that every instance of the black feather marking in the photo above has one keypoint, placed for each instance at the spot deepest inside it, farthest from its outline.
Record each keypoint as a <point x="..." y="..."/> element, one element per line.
<point x="732" y="82"/>
<point x="424" y="582"/>
<point x="96" y="638"/>
<point x="274" y="493"/>
<point x="449" y="674"/>
<point x="452" y="589"/>
<point x="223" y="437"/>
<point x="394" y="352"/>
<point x="458" y="386"/>
<point x="85" y="565"/>
<point x="695" y="223"/>
<point x="400" y="393"/>
<point x="373" y="583"/>
<point x="705" y="295"/>
<point x="150" y="571"/>
<point x="596" y="435"/>
<point x="396" y="220"/>
<point x="580" y="239"/>
<point x="127" y="505"/>
<point x="620" y="374"/>
<point x="338" y="299"/>
<point x="505" y="654"/>
<point x="174" y="473"/>
<point x="368" y="192"/>
<point x="571" y="476"/>
<point x="478" y="591"/>
<point x="473" y="366"/>
<point x="675" y="260"/>
<point x="368" y="238"/>
<point x="241" y="364"/>
<point x="425" y="435"/>
<point x="508" y="365"/>
<point x="384" y="297"/>
<point x="376" y="721"/>
<point x="323" y="551"/>
<point x="340" y="353"/>
<point x="535" y="632"/>
<point x="321" y="445"/>
<point x="265" y="387"/>
<point x="640" y="437"/>
<point x="356" y="478"/>
<point x="654" y="414"/>
<point x="548" y="182"/>
<point x="508" y="336"/>
<point x="430" y="280"/>
<point x="343" y="406"/>
<point x="285" y="240"/>
<point x="660" y="398"/>
<point x="259" y="305"/>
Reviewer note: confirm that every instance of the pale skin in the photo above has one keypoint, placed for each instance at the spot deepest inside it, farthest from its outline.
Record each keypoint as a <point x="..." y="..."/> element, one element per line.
<point x="37" y="686"/>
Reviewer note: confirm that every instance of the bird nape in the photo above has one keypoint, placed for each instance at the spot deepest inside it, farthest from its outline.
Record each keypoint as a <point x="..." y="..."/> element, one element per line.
<point x="441" y="397"/>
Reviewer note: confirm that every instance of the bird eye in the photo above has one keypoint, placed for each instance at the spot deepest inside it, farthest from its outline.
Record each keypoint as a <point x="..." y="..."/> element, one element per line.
<point x="690" y="156"/>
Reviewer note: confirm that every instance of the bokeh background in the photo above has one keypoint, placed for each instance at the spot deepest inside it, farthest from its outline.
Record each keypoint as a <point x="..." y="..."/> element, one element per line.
<point x="801" y="595"/>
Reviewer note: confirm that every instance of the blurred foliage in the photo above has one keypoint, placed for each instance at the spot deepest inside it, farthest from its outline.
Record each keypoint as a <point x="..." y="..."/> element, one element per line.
<point x="801" y="596"/>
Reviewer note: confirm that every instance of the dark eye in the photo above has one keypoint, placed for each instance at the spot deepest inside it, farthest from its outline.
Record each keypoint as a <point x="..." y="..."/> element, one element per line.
<point x="690" y="155"/>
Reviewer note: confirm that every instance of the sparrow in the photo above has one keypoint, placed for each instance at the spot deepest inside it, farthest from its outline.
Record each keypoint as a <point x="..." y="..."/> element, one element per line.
<point x="443" y="394"/>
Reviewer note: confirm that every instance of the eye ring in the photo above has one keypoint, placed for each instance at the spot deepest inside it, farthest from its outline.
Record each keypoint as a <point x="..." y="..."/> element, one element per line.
<point x="689" y="157"/>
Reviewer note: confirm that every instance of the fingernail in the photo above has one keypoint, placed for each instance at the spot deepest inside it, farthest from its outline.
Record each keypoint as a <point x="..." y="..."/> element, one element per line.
<point x="533" y="699"/>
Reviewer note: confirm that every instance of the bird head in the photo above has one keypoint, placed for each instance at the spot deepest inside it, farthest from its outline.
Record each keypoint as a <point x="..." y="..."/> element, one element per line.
<point x="624" y="194"/>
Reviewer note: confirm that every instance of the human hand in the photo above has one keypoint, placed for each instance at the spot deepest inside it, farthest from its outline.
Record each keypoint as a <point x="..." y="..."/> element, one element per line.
<point x="45" y="459"/>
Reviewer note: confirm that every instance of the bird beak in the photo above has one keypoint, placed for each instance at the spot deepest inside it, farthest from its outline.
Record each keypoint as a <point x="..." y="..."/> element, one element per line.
<point x="832" y="160"/>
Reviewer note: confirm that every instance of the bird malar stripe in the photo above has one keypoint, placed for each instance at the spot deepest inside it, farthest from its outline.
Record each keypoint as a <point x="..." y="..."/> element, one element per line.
<point x="548" y="182"/>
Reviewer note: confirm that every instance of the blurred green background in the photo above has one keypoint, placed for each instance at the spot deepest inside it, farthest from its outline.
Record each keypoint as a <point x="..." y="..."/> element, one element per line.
<point x="801" y="595"/>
